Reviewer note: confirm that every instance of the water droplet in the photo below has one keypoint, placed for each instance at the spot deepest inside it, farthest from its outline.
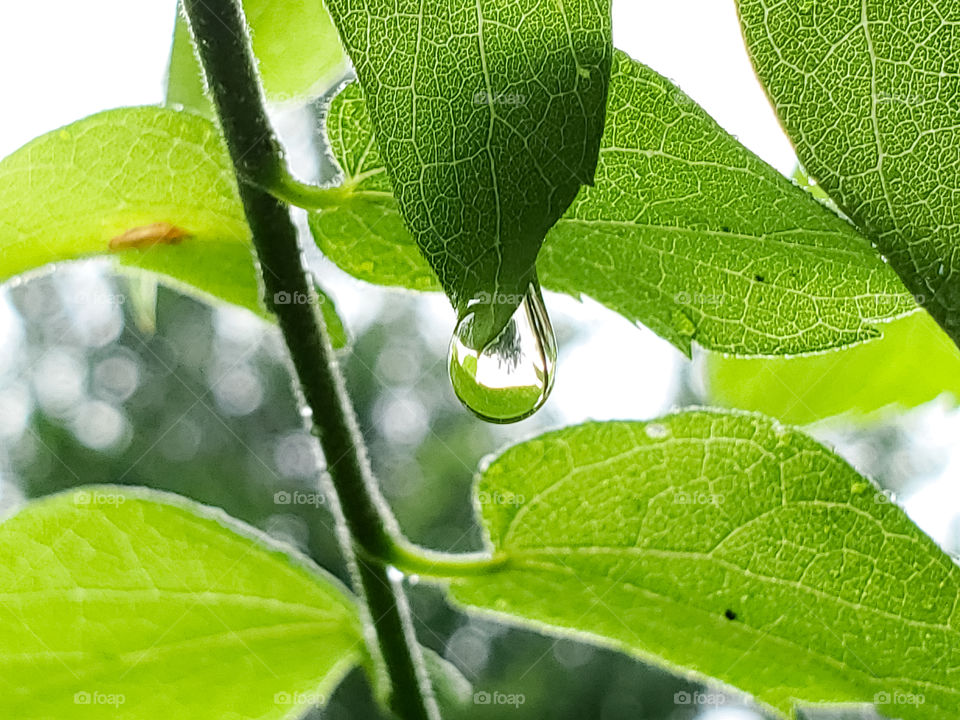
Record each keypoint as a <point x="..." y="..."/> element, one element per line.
<point x="511" y="377"/>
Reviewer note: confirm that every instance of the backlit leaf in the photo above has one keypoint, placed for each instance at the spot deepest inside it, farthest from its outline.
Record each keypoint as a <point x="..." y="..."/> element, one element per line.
<point x="125" y="604"/>
<point x="685" y="231"/>
<point x="488" y="116"/>
<point x="728" y="547"/>
<point x="869" y="92"/>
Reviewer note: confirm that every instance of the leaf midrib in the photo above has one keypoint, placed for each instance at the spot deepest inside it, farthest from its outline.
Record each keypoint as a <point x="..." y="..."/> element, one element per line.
<point x="78" y="595"/>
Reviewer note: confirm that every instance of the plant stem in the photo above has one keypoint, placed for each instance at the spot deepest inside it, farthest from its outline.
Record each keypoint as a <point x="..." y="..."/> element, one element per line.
<point x="220" y="34"/>
<point x="306" y="196"/>
<point x="413" y="560"/>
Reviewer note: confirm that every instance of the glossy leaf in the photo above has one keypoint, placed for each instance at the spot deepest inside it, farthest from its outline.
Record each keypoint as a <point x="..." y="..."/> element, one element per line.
<point x="869" y="92"/>
<point x="913" y="363"/>
<point x="127" y="604"/>
<point x="685" y="231"/>
<point x="727" y="547"/>
<point x="484" y="148"/>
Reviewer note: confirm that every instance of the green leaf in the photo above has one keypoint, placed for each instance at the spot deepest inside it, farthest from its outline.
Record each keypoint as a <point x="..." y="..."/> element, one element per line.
<point x="185" y="83"/>
<point x="125" y="604"/>
<point x="489" y="117"/>
<point x="913" y="363"/>
<point x="339" y="338"/>
<point x="450" y="686"/>
<point x="868" y="92"/>
<point x="296" y="45"/>
<point x="727" y="547"/>
<point x="685" y="231"/>
<point x="65" y="195"/>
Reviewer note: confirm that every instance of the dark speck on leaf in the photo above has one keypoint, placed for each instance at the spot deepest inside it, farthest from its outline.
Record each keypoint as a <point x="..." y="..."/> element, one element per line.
<point x="724" y="228"/>
<point x="730" y="614"/>
<point x="758" y="278"/>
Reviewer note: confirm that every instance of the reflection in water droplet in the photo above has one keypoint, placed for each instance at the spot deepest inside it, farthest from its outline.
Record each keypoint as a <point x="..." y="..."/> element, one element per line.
<point x="511" y="378"/>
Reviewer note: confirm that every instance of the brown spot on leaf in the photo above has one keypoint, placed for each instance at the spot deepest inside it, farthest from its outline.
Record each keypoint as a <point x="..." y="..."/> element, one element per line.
<point x="146" y="236"/>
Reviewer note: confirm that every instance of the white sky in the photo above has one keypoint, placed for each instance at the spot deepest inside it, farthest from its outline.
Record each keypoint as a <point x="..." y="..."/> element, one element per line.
<point x="63" y="60"/>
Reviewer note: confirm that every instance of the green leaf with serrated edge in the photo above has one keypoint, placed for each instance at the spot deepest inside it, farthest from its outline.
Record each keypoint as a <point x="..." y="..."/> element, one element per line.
<point x="65" y="195"/>
<point x="488" y="116"/>
<point x="685" y="231"/>
<point x="295" y="43"/>
<point x="913" y="363"/>
<point x="726" y="547"/>
<point x="869" y="92"/>
<point x="127" y="604"/>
